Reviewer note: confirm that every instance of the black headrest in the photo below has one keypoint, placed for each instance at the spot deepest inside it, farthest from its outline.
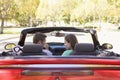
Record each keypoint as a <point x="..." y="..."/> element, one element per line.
<point x="84" y="47"/>
<point x="32" y="49"/>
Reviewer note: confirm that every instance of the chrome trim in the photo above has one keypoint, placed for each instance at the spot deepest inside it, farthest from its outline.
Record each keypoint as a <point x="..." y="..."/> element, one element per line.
<point x="61" y="66"/>
<point x="57" y="72"/>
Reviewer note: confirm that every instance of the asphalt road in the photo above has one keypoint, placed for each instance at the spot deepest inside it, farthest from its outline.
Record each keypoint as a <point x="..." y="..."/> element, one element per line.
<point x="8" y="38"/>
<point x="112" y="38"/>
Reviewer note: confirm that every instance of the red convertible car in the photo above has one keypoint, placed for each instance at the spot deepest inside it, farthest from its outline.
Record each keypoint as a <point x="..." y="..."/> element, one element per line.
<point x="91" y="61"/>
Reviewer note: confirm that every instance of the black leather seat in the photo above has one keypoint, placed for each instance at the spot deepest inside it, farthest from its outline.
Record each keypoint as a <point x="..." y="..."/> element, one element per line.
<point x="32" y="49"/>
<point x="84" y="49"/>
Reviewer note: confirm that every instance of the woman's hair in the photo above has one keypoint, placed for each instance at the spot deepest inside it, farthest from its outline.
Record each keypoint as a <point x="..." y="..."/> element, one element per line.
<point x="39" y="37"/>
<point x="71" y="38"/>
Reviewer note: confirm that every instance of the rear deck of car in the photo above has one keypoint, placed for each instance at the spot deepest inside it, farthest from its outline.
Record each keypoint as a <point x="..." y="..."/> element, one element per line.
<point x="59" y="68"/>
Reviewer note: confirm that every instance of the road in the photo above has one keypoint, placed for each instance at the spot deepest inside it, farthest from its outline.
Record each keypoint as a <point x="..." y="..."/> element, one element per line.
<point x="112" y="38"/>
<point x="8" y="38"/>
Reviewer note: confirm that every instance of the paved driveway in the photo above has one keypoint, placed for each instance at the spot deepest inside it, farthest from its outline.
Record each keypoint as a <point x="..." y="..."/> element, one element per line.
<point x="112" y="38"/>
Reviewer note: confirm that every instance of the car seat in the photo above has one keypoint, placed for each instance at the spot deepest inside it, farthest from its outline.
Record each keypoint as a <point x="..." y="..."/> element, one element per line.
<point x="84" y="49"/>
<point x="32" y="49"/>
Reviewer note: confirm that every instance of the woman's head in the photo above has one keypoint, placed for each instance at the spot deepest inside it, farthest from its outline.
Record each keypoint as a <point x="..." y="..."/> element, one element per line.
<point x="70" y="41"/>
<point x="39" y="38"/>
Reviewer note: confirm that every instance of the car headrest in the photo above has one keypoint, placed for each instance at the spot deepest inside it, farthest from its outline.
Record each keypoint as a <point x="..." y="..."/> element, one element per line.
<point x="84" y="47"/>
<point x="32" y="49"/>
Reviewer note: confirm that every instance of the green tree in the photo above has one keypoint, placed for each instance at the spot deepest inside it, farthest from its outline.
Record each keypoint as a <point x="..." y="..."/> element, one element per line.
<point x="55" y="10"/>
<point x="7" y="11"/>
<point x="26" y="12"/>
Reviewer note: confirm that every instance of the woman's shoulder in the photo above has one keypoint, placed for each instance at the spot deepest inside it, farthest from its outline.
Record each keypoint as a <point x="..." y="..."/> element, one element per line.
<point x="67" y="52"/>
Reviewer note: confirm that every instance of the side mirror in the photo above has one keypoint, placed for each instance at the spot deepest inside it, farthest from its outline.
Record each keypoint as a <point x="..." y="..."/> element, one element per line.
<point x="9" y="46"/>
<point x="107" y="46"/>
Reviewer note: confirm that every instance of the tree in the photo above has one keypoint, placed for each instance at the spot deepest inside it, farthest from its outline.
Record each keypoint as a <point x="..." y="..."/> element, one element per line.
<point x="26" y="12"/>
<point x="7" y="11"/>
<point x="55" y="10"/>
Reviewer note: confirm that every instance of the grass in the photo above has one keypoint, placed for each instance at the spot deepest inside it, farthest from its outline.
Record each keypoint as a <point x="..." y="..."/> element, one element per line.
<point x="12" y="30"/>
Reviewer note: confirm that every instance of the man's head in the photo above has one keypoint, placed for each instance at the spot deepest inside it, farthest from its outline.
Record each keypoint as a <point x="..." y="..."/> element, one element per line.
<point x="39" y="38"/>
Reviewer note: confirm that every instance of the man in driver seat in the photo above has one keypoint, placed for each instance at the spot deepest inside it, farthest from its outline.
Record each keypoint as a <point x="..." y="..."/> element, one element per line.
<point x="40" y="38"/>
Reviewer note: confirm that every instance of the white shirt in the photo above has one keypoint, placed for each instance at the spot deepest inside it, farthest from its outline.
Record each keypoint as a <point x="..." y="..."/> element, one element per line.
<point x="49" y="53"/>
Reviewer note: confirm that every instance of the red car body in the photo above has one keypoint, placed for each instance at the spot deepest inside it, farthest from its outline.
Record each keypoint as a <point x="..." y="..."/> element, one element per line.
<point x="59" y="69"/>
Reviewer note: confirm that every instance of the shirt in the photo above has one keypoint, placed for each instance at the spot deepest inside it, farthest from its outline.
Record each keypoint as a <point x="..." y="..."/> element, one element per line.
<point x="67" y="52"/>
<point x="49" y="53"/>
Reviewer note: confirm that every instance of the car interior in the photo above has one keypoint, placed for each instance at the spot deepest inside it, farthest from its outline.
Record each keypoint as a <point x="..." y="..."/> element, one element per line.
<point x="58" y="48"/>
<point x="55" y="40"/>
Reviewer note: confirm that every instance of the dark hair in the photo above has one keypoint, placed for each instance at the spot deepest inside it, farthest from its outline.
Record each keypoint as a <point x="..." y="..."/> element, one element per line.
<point x="39" y="36"/>
<point x="71" y="38"/>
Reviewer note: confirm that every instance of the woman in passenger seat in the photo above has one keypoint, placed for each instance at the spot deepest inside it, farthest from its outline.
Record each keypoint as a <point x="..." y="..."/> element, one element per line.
<point x="70" y="41"/>
<point x="40" y="38"/>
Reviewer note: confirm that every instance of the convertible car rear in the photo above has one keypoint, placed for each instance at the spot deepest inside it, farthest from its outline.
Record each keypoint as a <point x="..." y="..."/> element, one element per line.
<point x="90" y="60"/>
<point x="59" y="68"/>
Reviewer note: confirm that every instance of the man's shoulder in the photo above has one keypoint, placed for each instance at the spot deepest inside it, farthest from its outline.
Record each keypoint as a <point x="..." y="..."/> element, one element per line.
<point x="47" y="52"/>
